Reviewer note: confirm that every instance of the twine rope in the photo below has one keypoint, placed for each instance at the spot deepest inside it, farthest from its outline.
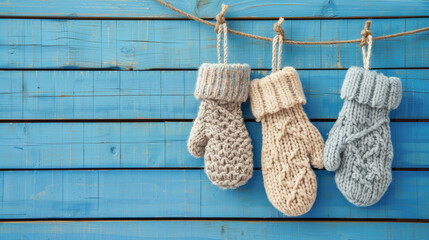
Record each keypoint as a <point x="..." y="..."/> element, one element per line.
<point x="367" y="54"/>
<point x="220" y="18"/>
<point x="222" y="28"/>
<point x="278" y="39"/>
<point x="366" y="40"/>
<point x="195" y="18"/>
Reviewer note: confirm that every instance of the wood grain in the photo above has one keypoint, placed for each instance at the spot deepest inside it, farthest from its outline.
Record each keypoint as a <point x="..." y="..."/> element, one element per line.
<point x="169" y="94"/>
<point x="152" y="145"/>
<point x="185" y="193"/>
<point x="209" y="8"/>
<point x="60" y="60"/>
<point x="147" y="44"/>
<point x="113" y="230"/>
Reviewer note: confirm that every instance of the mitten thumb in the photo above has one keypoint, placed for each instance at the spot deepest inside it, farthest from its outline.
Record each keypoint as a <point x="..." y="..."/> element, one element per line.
<point x="333" y="149"/>
<point x="197" y="139"/>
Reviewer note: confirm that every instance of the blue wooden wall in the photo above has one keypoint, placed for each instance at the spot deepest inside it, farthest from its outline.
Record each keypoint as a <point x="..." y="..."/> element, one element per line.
<point x="96" y="106"/>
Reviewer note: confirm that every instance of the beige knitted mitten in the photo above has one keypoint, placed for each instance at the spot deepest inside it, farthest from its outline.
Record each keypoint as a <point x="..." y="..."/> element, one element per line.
<point x="290" y="141"/>
<point x="219" y="133"/>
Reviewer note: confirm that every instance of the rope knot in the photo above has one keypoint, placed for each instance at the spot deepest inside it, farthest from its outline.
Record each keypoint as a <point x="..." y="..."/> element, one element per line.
<point x="365" y="34"/>
<point x="278" y="29"/>
<point x="220" y="18"/>
<point x="278" y="39"/>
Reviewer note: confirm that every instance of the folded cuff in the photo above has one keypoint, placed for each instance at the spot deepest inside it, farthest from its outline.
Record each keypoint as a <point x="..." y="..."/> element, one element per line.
<point x="372" y="88"/>
<point x="277" y="91"/>
<point x="224" y="82"/>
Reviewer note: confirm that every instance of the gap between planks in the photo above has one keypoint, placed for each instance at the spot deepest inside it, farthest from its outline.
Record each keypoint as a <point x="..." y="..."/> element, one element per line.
<point x="186" y="19"/>
<point x="150" y="120"/>
<point x="159" y="168"/>
<point x="119" y="69"/>
<point x="401" y="220"/>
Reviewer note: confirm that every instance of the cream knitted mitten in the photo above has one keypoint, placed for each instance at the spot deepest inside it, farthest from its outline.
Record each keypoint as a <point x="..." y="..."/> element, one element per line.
<point x="290" y="141"/>
<point x="219" y="133"/>
<point x="359" y="148"/>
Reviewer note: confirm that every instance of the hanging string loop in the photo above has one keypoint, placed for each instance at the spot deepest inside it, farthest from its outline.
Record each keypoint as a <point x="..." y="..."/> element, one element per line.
<point x="278" y="39"/>
<point x="219" y="28"/>
<point x="366" y="41"/>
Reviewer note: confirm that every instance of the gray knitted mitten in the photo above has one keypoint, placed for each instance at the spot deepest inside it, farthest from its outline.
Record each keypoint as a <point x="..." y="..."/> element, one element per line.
<point x="359" y="148"/>
<point x="219" y="133"/>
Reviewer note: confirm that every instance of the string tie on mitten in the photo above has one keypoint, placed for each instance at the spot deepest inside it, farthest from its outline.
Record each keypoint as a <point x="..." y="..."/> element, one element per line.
<point x="220" y="18"/>
<point x="219" y="28"/>
<point x="278" y="39"/>
<point x="359" y="146"/>
<point x="366" y="41"/>
<point x="290" y="141"/>
<point x="218" y="133"/>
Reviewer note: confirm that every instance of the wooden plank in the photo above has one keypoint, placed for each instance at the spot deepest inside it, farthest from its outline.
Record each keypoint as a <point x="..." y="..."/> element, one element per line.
<point x="329" y="203"/>
<point x="152" y="145"/>
<point x="185" y="193"/>
<point x="147" y="44"/>
<point x="113" y="230"/>
<point x="209" y="9"/>
<point x="74" y="194"/>
<point x="416" y="39"/>
<point x="168" y="94"/>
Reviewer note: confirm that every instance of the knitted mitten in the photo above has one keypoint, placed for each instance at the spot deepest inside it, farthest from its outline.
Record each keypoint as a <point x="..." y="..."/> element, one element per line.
<point x="359" y="146"/>
<point x="290" y="141"/>
<point x="219" y="133"/>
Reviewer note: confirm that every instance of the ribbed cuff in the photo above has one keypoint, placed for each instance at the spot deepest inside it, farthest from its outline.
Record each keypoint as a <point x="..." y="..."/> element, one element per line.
<point x="223" y="82"/>
<point x="372" y="88"/>
<point x="277" y="91"/>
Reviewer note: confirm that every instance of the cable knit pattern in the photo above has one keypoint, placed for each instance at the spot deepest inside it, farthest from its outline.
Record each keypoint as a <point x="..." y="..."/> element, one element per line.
<point x="359" y="147"/>
<point x="219" y="133"/>
<point x="290" y="142"/>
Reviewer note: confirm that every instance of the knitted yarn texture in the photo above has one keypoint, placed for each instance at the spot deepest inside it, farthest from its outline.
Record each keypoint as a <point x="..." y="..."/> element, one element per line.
<point x="219" y="133"/>
<point x="289" y="141"/>
<point x="359" y="147"/>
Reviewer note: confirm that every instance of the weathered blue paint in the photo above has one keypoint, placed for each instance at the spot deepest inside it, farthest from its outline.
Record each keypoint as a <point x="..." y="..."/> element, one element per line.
<point x="28" y="45"/>
<point x="185" y="193"/>
<point x="168" y="94"/>
<point x="148" y="44"/>
<point x="138" y="230"/>
<point x="209" y="8"/>
<point x="152" y="145"/>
